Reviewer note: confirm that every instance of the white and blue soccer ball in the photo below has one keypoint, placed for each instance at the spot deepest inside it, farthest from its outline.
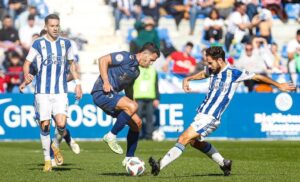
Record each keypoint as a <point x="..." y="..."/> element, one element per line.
<point x="158" y="135"/>
<point x="135" y="166"/>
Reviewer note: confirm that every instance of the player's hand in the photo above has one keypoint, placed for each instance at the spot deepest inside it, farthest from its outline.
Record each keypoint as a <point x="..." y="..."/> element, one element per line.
<point x="78" y="92"/>
<point x="22" y="87"/>
<point x="28" y="78"/>
<point x="107" y="87"/>
<point x="185" y="85"/>
<point x="286" y="87"/>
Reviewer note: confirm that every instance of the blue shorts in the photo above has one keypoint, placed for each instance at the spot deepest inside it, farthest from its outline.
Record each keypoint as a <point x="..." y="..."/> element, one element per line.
<point x="107" y="102"/>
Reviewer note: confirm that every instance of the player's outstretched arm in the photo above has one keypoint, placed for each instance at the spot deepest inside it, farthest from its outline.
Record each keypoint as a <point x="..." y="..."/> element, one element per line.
<point x="103" y="63"/>
<point x="284" y="87"/>
<point x="75" y="75"/>
<point x="198" y="76"/>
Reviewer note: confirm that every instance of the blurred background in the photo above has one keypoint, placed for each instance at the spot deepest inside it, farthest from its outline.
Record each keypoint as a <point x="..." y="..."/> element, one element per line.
<point x="262" y="36"/>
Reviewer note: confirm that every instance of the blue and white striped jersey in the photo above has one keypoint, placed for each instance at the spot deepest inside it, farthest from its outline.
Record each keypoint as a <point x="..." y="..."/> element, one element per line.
<point x="52" y="59"/>
<point x="221" y="89"/>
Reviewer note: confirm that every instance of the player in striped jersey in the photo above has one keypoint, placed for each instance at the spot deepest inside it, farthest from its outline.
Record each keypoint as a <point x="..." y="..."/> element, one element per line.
<point x="224" y="80"/>
<point x="54" y="56"/>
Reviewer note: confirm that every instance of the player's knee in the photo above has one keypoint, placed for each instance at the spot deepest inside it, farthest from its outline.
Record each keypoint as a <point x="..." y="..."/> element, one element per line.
<point x="132" y="107"/>
<point x="183" y="139"/>
<point x="45" y="129"/>
<point x="60" y="125"/>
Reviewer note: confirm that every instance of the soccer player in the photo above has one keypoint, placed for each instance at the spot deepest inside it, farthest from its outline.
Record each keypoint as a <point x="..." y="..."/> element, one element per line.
<point x="53" y="55"/>
<point x="224" y="80"/>
<point x="118" y="71"/>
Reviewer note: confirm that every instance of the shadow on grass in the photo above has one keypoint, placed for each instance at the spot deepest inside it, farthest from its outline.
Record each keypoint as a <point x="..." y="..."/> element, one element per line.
<point x="59" y="168"/>
<point x="65" y="164"/>
<point x="113" y="174"/>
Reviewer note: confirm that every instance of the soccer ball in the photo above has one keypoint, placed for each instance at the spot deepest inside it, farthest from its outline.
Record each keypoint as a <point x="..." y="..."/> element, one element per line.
<point x="158" y="135"/>
<point x="135" y="166"/>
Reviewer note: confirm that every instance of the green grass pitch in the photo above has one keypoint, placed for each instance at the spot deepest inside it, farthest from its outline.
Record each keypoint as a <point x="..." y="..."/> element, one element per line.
<point x="252" y="161"/>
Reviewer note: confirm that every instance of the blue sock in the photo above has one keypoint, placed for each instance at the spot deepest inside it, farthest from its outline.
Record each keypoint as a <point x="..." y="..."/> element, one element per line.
<point x="122" y="119"/>
<point x="132" y="141"/>
<point x="67" y="137"/>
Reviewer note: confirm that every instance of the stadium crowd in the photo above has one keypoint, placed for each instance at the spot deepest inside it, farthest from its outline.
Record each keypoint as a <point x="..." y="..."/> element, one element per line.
<point x="242" y="27"/>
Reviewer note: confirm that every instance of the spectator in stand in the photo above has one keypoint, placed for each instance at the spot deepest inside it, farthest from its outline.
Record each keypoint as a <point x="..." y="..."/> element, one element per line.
<point x="263" y="23"/>
<point x="252" y="61"/>
<point x="16" y="7"/>
<point x="183" y="62"/>
<point x="146" y="33"/>
<point x="252" y="6"/>
<point x="225" y="7"/>
<point x="125" y="8"/>
<point x="3" y="80"/>
<point x="14" y="72"/>
<point x="278" y="65"/>
<point x="3" y="11"/>
<point x="293" y="50"/>
<point x="238" y="25"/>
<point x="177" y="9"/>
<point x="199" y="7"/>
<point x="149" y="8"/>
<point x="213" y="27"/>
<point x="276" y="7"/>
<point x="28" y="31"/>
<point x="23" y="17"/>
<point x="9" y="37"/>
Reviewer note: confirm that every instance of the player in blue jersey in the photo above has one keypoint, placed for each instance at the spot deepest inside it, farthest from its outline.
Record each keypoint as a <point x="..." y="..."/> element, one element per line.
<point x="53" y="55"/>
<point x="118" y="71"/>
<point x="224" y="80"/>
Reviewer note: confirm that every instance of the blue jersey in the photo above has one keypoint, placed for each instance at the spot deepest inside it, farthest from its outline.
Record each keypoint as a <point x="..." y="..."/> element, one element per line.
<point x="52" y="61"/>
<point x="221" y="90"/>
<point x="121" y="73"/>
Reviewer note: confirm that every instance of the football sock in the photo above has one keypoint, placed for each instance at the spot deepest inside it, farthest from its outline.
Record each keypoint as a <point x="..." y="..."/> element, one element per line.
<point x="45" y="139"/>
<point x="59" y="132"/>
<point x="132" y="141"/>
<point x="122" y="119"/>
<point x="173" y="154"/>
<point x="212" y="153"/>
<point x="51" y="151"/>
<point x="67" y="137"/>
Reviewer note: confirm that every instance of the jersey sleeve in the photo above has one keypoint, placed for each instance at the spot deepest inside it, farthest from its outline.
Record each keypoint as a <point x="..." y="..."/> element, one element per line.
<point x="243" y="75"/>
<point x="119" y="58"/>
<point x="70" y="53"/>
<point x="33" y="52"/>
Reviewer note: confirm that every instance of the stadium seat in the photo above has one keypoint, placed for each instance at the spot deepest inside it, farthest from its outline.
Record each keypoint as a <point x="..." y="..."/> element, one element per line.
<point x="131" y="35"/>
<point x="284" y="52"/>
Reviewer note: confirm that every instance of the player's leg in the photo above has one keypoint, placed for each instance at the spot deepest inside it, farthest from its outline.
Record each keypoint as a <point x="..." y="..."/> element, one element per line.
<point x="43" y="115"/>
<point x="71" y="142"/>
<point x="124" y="109"/>
<point x="174" y="152"/>
<point x="135" y="125"/>
<point x="60" y="112"/>
<point x="212" y="153"/>
<point x="45" y="139"/>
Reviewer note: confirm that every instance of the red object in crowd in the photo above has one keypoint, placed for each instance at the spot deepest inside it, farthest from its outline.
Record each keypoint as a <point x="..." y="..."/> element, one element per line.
<point x="181" y="63"/>
<point x="230" y="60"/>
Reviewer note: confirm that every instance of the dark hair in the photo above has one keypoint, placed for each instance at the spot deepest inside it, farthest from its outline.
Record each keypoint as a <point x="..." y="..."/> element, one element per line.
<point x="214" y="10"/>
<point x="31" y="17"/>
<point x="6" y="17"/>
<point x="43" y="32"/>
<point x="51" y="16"/>
<point x="238" y="4"/>
<point x="298" y="32"/>
<point x="150" y="47"/>
<point x="215" y="52"/>
<point x="189" y="44"/>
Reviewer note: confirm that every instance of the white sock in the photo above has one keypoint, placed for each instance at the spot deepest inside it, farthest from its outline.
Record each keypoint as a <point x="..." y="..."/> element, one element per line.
<point x="58" y="137"/>
<point x="215" y="155"/>
<point x="173" y="154"/>
<point x="111" y="135"/>
<point x="45" y="139"/>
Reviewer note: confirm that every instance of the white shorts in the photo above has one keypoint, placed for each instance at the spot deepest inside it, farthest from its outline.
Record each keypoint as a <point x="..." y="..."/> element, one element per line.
<point x="48" y="105"/>
<point x="205" y="124"/>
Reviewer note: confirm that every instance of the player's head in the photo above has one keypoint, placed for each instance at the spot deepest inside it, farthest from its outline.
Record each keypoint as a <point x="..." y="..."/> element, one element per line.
<point x="215" y="58"/>
<point x="52" y="25"/>
<point x="148" y="54"/>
